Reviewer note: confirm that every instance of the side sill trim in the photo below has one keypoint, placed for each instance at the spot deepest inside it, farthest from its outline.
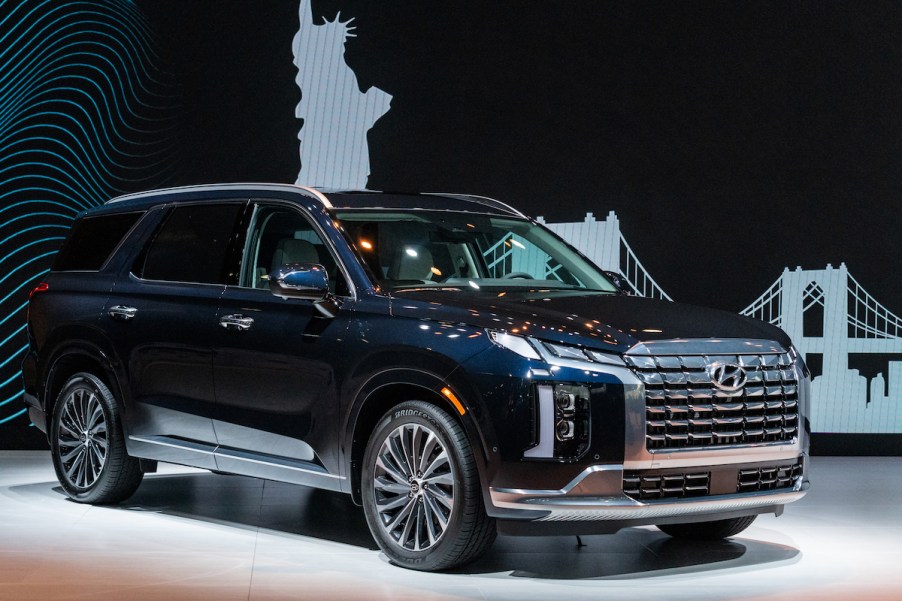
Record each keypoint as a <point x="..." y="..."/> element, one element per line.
<point x="308" y="468"/>
<point x="223" y="453"/>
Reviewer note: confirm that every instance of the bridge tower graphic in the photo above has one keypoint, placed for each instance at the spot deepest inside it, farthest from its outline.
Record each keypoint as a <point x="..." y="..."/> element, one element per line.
<point x="603" y="242"/>
<point x="833" y="321"/>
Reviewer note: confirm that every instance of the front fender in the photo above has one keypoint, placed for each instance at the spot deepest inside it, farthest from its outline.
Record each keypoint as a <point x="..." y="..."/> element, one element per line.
<point x="414" y="374"/>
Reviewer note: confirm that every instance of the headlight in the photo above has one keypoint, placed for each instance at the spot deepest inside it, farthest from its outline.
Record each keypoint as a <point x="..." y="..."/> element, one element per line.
<point x="553" y="353"/>
<point x="567" y="352"/>
<point x="576" y="353"/>
<point x="517" y="344"/>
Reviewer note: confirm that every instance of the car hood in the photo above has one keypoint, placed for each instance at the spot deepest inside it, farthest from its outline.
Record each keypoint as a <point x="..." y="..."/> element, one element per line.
<point x="612" y="322"/>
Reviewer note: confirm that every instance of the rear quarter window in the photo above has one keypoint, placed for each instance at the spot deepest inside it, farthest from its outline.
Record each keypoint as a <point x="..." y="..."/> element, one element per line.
<point x="92" y="241"/>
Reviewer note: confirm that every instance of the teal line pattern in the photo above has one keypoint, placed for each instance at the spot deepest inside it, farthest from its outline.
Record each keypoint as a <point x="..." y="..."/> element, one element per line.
<point x="86" y="113"/>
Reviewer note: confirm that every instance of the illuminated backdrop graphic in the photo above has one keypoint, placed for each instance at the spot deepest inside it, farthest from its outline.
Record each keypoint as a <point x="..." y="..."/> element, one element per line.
<point x="84" y="115"/>
<point x="741" y="148"/>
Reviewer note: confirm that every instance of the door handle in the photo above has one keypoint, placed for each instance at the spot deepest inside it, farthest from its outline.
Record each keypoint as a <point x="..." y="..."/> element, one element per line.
<point x="121" y="312"/>
<point x="236" y="322"/>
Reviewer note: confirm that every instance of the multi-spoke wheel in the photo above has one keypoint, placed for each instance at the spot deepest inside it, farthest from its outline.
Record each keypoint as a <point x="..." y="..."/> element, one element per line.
<point x="87" y="443"/>
<point x="82" y="438"/>
<point x="414" y="484"/>
<point x="421" y="490"/>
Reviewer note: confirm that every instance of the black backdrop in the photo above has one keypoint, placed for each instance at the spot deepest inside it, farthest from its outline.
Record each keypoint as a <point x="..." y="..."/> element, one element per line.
<point x="732" y="139"/>
<point x="728" y="137"/>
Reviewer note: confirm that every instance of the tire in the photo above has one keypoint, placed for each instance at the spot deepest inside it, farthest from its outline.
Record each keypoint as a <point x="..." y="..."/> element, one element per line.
<point x="88" y="446"/>
<point x="430" y="516"/>
<point x="717" y="530"/>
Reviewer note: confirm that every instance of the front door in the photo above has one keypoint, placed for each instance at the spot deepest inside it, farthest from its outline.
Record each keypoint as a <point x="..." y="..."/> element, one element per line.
<point x="275" y="360"/>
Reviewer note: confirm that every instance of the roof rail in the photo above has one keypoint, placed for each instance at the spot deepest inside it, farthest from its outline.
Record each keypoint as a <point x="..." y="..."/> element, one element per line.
<point x="224" y="187"/>
<point x="483" y="200"/>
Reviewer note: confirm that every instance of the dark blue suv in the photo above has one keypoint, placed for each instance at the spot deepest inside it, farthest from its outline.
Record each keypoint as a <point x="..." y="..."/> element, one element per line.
<point x="451" y="364"/>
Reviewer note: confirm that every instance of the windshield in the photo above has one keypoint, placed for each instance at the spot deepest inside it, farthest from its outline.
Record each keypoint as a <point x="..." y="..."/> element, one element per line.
<point x="443" y="248"/>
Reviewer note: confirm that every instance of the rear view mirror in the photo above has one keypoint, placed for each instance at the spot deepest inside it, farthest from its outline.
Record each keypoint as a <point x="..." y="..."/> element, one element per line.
<point x="308" y="281"/>
<point x="619" y="281"/>
<point x="300" y="280"/>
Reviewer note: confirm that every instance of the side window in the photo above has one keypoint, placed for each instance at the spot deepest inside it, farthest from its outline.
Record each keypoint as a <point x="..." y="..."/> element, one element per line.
<point x="92" y="241"/>
<point x="281" y="235"/>
<point x="192" y="245"/>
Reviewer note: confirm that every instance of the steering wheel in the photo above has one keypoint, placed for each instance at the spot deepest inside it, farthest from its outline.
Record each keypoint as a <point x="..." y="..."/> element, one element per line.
<point x="517" y="274"/>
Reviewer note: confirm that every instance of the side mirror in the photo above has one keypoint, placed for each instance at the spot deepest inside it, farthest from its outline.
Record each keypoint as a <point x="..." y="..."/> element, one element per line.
<point x="308" y="281"/>
<point x="619" y="281"/>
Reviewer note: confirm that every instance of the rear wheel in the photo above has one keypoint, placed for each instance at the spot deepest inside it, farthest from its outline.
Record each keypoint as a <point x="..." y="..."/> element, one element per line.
<point x="88" y="445"/>
<point x="421" y="491"/>
<point x="708" y="530"/>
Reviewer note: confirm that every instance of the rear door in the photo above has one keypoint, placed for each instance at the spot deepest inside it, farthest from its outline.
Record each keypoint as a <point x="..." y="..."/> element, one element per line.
<point x="162" y="320"/>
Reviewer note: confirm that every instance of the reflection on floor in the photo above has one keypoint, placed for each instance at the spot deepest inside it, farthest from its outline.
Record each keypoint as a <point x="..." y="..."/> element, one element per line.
<point x="189" y="534"/>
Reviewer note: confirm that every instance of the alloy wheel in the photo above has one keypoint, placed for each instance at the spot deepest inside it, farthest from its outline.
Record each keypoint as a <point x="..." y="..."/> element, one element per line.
<point x="82" y="438"/>
<point x="413" y="482"/>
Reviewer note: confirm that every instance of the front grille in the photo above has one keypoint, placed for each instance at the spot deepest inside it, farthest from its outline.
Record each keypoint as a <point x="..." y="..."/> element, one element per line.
<point x="768" y="478"/>
<point x="677" y="483"/>
<point x="684" y="409"/>
<point x="643" y="485"/>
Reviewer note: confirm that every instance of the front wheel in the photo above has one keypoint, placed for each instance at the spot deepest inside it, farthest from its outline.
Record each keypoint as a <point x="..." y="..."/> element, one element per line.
<point x="716" y="530"/>
<point x="421" y="491"/>
<point x="88" y="445"/>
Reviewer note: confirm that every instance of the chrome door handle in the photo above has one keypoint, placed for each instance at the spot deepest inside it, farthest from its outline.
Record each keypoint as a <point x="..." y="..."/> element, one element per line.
<point x="122" y="312"/>
<point x="236" y="322"/>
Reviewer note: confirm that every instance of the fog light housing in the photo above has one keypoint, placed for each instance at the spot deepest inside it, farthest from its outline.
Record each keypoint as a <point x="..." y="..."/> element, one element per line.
<point x="560" y="422"/>
<point x="572" y="419"/>
<point x="565" y="430"/>
<point x="564" y="400"/>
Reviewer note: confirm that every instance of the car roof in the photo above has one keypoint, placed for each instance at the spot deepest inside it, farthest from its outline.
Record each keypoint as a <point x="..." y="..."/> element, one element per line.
<point x="337" y="199"/>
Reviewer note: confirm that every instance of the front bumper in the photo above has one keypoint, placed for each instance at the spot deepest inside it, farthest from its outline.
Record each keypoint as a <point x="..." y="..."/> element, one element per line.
<point x="596" y="492"/>
<point x="584" y="499"/>
<point x="594" y="501"/>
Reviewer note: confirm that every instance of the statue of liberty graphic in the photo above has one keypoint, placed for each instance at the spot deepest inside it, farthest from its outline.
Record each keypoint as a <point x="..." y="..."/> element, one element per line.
<point x="336" y="114"/>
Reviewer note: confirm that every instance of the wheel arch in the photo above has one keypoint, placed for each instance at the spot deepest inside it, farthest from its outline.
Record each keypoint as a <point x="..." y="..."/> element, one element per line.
<point x="394" y="386"/>
<point x="72" y="356"/>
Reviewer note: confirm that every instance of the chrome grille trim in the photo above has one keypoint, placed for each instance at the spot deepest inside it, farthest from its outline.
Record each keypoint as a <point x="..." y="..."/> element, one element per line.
<point x="769" y="478"/>
<point x="643" y="486"/>
<point x="685" y="410"/>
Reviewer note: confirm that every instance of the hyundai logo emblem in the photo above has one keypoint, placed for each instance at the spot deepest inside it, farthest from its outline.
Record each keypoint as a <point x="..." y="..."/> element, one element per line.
<point x="728" y="377"/>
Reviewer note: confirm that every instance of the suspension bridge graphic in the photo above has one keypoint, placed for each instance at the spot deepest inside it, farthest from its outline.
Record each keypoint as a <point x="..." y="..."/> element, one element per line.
<point x="602" y="242"/>
<point x="839" y="328"/>
<point x="837" y="325"/>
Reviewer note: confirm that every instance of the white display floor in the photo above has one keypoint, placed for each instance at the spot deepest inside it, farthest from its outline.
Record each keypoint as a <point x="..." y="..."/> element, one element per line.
<point x="189" y="534"/>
